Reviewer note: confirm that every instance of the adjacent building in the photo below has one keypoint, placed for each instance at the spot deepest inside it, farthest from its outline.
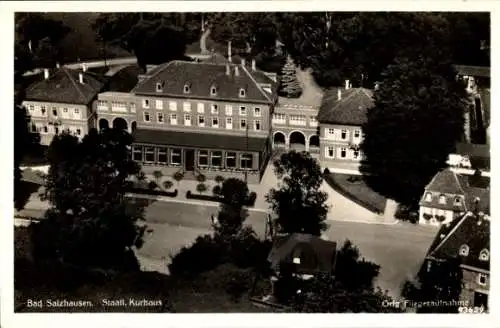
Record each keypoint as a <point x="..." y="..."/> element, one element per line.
<point x="63" y="100"/>
<point x="450" y="195"/>
<point x="467" y="239"/>
<point x="341" y="116"/>
<point x="204" y="118"/>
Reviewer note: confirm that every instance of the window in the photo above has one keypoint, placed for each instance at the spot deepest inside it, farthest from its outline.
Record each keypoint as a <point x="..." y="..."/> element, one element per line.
<point x="355" y="154"/>
<point x="201" y="108"/>
<point x="243" y="111"/>
<point x="78" y="132"/>
<point x="146" y="117"/>
<point x="428" y="197"/>
<point x="216" y="159"/>
<point x="145" y="103"/>
<point x="357" y="134"/>
<point x="149" y="154"/>
<point x="214" y="109"/>
<point x="32" y="108"/>
<point x="330" y="152"/>
<point x="243" y="124"/>
<point x="343" y="152"/>
<point x="172" y="105"/>
<point x="213" y="90"/>
<point x="246" y="161"/>
<point x="457" y="201"/>
<point x="279" y="118"/>
<point x="297" y="120"/>
<point x="242" y="93"/>
<point x="54" y="111"/>
<point x="481" y="279"/>
<point x="343" y="134"/>
<point x="203" y="158"/>
<point x="45" y="129"/>
<point x="229" y="123"/>
<point x="215" y="122"/>
<point x="442" y="199"/>
<point x="256" y="125"/>
<point x="175" y="156"/>
<point x="56" y="130"/>
<point x="187" y="120"/>
<point x="159" y="86"/>
<point x="313" y="121"/>
<point x="187" y="88"/>
<point x="43" y="109"/>
<point x="201" y="120"/>
<point x="118" y="106"/>
<point x="330" y="132"/>
<point x="137" y="153"/>
<point x="33" y="128"/>
<point x="162" y="155"/>
<point x="257" y="112"/>
<point x="173" y="119"/>
<point x="187" y="107"/>
<point x="159" y="117"/>
<point x="464" y="250"/>
<point x="230" y="160"/>
<point x="132" y="107"/>
<point x="484" y="255"/>
<point x="159" y="104"/>
<point x="229" y="110"/>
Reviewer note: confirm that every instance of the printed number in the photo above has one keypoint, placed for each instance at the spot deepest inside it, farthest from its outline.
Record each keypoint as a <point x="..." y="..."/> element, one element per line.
<point x="475" y="309"/>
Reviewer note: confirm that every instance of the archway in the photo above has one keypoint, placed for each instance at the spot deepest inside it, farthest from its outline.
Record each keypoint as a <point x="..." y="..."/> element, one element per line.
<point x="314" y="141"/>
<point x="103" y="124"/>
<point x="279" y="139"/>
<point x="133" y="126"/>
<point x="297" y="140"/>
<point x="120" y="123"/>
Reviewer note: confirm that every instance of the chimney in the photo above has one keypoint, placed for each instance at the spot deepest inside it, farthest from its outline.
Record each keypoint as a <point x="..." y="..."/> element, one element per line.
<point x="236" y="71"/>
<point x="46" y="73"/>
<point x="228" y="69"/>
<point x="58" y="65"/>
<point x="243" y="62"/>
<point x="229" y="51"/>
<point x="339" y="94"/>
<point x="377" y="85"/>
<point x="347" y="84"/>
<point x="80" y="77"/>
<point x="84" y="67"/>
<point x="254" y="66"/>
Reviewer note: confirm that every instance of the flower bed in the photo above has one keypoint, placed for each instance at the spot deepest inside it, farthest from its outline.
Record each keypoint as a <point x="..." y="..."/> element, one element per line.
<point x="250" y="202"/>
<point x="154" y="192"/>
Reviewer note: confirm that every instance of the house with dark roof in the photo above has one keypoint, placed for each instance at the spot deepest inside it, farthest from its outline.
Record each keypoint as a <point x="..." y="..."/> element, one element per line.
<point x="63" y="100"/>
<point x="449" y="195"/>
<point x="341" y="116"/>
<point x="467" y="239"/>
<point x="204" y="118"/>
<point x="470" y="156"/>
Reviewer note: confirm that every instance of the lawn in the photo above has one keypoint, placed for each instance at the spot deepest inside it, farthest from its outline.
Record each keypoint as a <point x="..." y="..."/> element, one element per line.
<point x="354" y="188"/>
<point x="23" y="193"/>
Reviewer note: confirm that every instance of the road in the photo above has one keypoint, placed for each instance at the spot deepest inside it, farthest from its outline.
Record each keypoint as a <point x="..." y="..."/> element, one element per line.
<point x="399" y="249"/>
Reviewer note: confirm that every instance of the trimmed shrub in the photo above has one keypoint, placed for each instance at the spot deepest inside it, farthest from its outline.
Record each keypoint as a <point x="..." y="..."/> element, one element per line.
<point x="217" y="190"/>
<point x="201" y="188"/>
<point x="168" y="184"/>
<point x="201" y="178"/>
<point x="152" y="185"/>
<point x="219" y="179"/>
<point x="252" y="197"/>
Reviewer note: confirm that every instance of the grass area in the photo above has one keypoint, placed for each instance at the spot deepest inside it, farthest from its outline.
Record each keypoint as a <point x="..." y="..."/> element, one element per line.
<point x="354" y="188"/>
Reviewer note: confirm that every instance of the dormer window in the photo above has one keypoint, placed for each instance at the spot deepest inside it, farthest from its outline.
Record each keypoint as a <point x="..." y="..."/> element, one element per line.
<point x="213" y="90"/>
<point x="464" y="250"/>
<point x="243" y="93"/>
<point x="442" y="199"/>
<point x="187" y="88"/>
<point x="484" y="255"/>
<point x="457" y="201"/>
<point x="428" y="197"/>
<point x="159" y="86"/>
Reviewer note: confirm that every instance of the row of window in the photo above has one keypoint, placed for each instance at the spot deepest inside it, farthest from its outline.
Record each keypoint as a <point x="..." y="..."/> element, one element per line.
<point x="482" y="278"/>
<point x="201" y="122"/>
<point x="484" y="255"/>
<point x="43" y="111"/>
<point x="46" y="129"/>
<point x="173" y="156"/>
<point x="442" y="199"/>
<point x="341" y="134"/>
<point x="214" y="89"/>
<point x="280" y="118"/>
<point x="117" y="106"/>
<point x="342" y="152"/>
<point x="214" y="108"/>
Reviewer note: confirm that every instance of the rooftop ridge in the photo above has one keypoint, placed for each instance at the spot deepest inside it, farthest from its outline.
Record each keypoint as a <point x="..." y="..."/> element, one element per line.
<point x="255" y="82"/>
<point x="74" y="83"/>
<point x="466" y="215"/>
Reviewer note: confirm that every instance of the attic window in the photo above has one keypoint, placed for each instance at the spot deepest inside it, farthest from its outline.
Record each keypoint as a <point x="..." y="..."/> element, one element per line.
<point x="213" y="90"/>
<point x="484" y="255"/>
<point x="296" y="260"/>
<point x="242" y="92"/>
<point x="187" y="88"/>
<point x="159" y="86"/>
<point x="457" y="201"/>
<point x="442" y="199"/>
<point x="464" y="250"/>
<point x="428" y="197"/>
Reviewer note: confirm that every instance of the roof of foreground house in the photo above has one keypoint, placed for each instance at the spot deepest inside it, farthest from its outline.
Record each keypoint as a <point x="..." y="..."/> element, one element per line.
<point x="476" y="71"/>
<point x="351" y="109"/>
<point x="470" y="230"/>
<point x="63" y="86"/>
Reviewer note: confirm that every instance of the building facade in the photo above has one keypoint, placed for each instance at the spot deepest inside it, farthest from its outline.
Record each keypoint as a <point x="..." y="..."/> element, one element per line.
<point x="116" y="110"/>
<point x="204" y="118"/>
<point x="63" y="101"/>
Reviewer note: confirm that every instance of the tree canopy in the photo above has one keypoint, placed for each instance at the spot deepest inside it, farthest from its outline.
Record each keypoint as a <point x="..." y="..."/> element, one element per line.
<point x="90" y="222"/>
<point x="289" y="84"/>
<point x="232" y="213"/>
<point x="416" y="121"/>
<point x="298" y="203"/>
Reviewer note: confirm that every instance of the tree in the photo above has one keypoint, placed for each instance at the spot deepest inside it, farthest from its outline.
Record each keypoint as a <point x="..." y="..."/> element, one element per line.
<point x="201" y="188"/>
<point x="178" y="176"/>
<point x="90" y="223"/>
<point x="168" y="184"/>
<point x="415" y="123"/>
<point x="442" y="282"/>
<point x="219" y="179"/>
<point x="201" y="178"/>
<point x="158" y="174"/>
<point x="289" y="85"/>
<point x="232" y="213"/>
<point x="45" y="54"/>
<point x="299" y="204"/>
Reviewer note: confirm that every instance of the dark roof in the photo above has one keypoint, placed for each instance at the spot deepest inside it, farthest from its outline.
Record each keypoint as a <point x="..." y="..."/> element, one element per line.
<point x="201" y="76"/>
<point x="125" y="79"/>
<point x="476" y="71"/>
<point x="350" y="109"/>
<point x="198" y="139"/>
<point x="479" y="155"/>
<point x="63" y="86"/>
<point x="446" y="182"/>
<point x="470" y="230"/>
<point x="316" y="254"/>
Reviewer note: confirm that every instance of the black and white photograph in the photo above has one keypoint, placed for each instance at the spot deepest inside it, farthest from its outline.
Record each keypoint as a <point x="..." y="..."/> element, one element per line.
<point x="253" y="161"/>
